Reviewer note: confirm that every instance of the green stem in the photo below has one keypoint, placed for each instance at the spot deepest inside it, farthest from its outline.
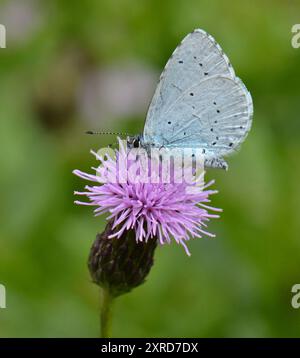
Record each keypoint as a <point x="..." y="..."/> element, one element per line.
<point x="105" y="315"/>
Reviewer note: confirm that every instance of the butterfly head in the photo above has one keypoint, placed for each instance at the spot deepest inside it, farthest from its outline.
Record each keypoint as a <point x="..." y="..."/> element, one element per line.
<point x="134" y="141"/>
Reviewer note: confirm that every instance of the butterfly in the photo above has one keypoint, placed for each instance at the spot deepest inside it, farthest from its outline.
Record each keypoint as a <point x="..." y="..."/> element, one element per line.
<point x="198" y="103"/>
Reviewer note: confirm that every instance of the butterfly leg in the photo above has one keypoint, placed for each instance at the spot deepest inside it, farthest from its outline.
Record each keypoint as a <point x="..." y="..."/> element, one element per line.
<point x="215" y="163"/>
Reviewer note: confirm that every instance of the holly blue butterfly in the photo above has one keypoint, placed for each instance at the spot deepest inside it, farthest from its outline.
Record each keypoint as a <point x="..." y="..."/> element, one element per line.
<point x="198" y="103"/>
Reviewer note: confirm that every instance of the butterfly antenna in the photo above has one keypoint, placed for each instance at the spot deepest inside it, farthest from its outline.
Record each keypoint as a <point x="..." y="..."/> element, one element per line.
<point x="107" y="133"/>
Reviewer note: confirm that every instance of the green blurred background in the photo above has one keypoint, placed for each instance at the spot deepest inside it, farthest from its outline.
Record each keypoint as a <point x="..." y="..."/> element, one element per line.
<point x="76" y="65"/>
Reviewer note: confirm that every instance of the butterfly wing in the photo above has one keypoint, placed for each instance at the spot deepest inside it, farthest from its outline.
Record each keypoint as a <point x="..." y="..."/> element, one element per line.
<point x="214" y="114"/>
<point x="197" y="88"/>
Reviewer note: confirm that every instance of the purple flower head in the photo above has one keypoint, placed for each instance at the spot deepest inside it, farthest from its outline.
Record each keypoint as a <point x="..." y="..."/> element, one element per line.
<point x="152" y="208"/>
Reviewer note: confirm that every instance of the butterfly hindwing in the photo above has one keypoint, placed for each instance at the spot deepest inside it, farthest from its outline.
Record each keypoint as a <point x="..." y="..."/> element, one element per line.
<point x="214" y="114"/>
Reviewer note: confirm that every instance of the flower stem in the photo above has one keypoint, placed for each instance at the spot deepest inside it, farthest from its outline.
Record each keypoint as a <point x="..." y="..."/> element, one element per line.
<point x="105" y="314"/>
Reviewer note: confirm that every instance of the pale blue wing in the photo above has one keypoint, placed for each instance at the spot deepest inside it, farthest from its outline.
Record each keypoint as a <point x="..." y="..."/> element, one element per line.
<point x="197" y="57"/>
<point x="214" y="114"/>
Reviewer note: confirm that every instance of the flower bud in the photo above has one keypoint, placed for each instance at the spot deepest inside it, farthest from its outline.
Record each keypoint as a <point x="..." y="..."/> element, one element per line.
<point x="120" y="264"/>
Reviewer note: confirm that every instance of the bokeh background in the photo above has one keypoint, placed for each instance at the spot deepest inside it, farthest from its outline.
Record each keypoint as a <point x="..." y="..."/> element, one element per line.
<point x="76" y="65"/>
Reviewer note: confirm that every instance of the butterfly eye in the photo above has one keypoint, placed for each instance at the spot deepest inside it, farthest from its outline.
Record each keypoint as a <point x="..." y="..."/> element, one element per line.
<point x="136" y="143"/>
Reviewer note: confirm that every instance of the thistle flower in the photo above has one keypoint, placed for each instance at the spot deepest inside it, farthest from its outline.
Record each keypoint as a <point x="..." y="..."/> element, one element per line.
<point x="166" y="211"/>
